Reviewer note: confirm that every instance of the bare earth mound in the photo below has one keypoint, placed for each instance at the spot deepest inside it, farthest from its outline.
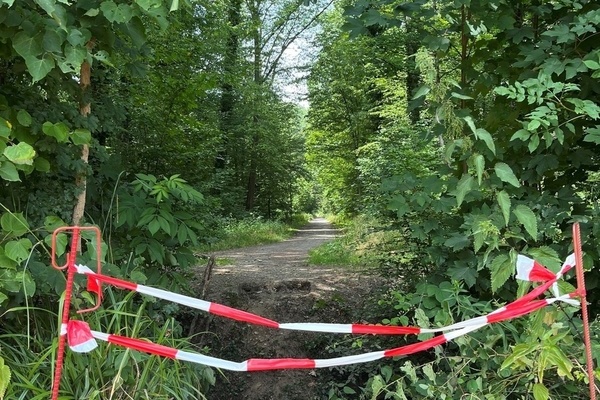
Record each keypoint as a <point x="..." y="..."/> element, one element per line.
<point x="275" y="281"/>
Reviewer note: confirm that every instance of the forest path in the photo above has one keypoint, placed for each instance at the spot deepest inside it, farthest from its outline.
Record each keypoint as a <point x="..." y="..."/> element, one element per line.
<point x="276" y="281"/>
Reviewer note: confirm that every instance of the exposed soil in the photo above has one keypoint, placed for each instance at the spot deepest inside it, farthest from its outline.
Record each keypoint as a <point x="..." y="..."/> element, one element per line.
<point x="277" y="282"/>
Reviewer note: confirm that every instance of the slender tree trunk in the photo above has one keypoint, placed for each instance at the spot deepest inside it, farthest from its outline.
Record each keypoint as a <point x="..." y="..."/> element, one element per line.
<point x="85" y="108"/>
<point x="227" y="103"/>
<point x="258" y="82"/>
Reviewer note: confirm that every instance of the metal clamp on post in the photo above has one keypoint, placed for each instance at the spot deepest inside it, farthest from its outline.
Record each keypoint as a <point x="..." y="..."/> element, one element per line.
<point x="75" y="247"/>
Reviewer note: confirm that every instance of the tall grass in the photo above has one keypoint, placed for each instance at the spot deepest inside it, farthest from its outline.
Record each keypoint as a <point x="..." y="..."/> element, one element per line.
<point x="361" y="245"/>
<point x="252" y="231"/>
<point x="109" y="372"/>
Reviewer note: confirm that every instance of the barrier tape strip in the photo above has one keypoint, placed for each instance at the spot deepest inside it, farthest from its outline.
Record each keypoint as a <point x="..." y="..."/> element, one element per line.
<point x="81" y="339"/>
<point x="527" y="269"/>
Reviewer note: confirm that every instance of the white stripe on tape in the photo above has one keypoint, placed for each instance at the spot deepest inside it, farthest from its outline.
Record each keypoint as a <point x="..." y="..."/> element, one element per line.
<point x="359" y="358"/>
<point x="211" y="361"/>
<point x="317" y="327"/>
<point x="177" y="298"/>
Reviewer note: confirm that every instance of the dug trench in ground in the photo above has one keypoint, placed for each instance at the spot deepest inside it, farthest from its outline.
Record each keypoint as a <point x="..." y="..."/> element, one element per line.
<point x="275" y="281"/>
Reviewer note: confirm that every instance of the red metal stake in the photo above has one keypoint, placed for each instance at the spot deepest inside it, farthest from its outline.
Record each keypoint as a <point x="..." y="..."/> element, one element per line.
<point x="584" y="312"/>
<point x="65" y="311"/>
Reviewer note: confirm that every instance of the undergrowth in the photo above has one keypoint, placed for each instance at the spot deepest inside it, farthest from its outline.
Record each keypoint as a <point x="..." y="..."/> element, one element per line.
<point x="540" y="356"/>
<point x="252" y="231"/>
<point x="108" y="372"/>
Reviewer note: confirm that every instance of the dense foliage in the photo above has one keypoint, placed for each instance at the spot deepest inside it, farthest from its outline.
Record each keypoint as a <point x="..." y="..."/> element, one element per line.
<point x="467" y="129"/>
<point x="158" y="121"/>
<point x="490" y="151"/>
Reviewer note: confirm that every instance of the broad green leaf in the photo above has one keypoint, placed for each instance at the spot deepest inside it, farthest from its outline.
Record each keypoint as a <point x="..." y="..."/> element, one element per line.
<point x="527" y="218"/>
<point x="471" y="124"/>
<point x="591" y="64"/>
<point x="558" y="358"/>
<point x="92" y="12"/>
<point x="465" y="185"/>
<point x="174" y="5"/>
<point x="27" y="46"/>
<point x="61" y="243"/>
<point x="4" y="371"/>
<point x="52" y="222"/>
<point x="24" y="118"/>
<point x="119" y="14"/>
<point x="81" y="136"/>
<point x="5" y="128"/>
<point x="52" y="41"/>
<point x="21" y="153"/>
<point x="47" y="5"/>
<point x="18" y="250"/>
<point x="59" y="131"/>
<point x="504" y="203"/>
<point x="518" y="355"/>
<point x="484" y="135"/>
<point x="461" y="96"/>
<point x="41" y="164"/>
<point x="592" y="135"/>
<point x="423" y="90"/>
<point x="154" y="226"/>
<point x="14" y="224"/>
<point x="9" y="172"/>
<point x="457" y="242"/>
<point x="540" y="392"/>
<point x="521" y="134"/>
<point x="39" y="68"/>
<point x="9" y="2"/>
<point x="463" y="272"/>
<point x="479" y="167"/>
<point x="501" y="268"/>
<point x="506" y="174"/>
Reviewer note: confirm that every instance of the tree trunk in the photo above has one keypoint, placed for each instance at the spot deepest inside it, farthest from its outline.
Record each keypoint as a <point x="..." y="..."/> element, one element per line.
<point x="258" y="82"/>
<point x="85" y="108"/>
<point x="227" y="102"/>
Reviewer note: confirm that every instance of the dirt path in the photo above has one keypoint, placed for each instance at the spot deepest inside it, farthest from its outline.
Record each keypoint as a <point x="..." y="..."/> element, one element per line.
<point x="277" y="282"/>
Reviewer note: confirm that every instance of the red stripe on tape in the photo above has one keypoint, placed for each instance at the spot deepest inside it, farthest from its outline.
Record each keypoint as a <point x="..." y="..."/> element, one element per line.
<point x="539" y="273"/>
<point x="239" y="315"/>
<point x="416" y="347"/>
<point x="516" y="312"/>
<point x="142" y="345"/>
<point x="359" y="329"/>
<point x="114" y="281"/>
<point x="260" y="364"/>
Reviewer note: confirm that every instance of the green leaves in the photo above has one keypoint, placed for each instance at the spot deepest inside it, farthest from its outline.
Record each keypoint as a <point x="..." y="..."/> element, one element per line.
<point x="501" y="268"/>
<point x="592" y="135"/>
<point x="528" y="219"/>
<point x="114" y="13"/>
<point x="18" y="250"/>
<point x="81" y="136"/>
<point x="14" y="224"/>
<point x="59" y="131"/>
<point x="38" y="68"/>
<point x="465" y="185"/>
<point x="506" y="174"/>
<point x="21" y="153"/>
<point x="27" y="46"/>
<point x="504" y="203"/>
<point x="9" y="172"/>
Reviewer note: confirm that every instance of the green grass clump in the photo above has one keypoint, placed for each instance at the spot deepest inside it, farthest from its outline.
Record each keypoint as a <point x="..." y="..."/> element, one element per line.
<point x="253" y="231"/>
<point x="336" y="252"/>
<point x="108" y="372"/>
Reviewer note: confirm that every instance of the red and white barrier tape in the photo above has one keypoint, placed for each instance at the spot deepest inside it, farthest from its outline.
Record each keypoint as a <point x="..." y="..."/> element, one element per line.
<point x="81" y="339"/>
<point x="527" y="269"/>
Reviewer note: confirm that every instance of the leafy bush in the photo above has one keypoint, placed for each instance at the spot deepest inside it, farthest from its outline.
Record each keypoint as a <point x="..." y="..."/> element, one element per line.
<point x="541" y="354"/>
